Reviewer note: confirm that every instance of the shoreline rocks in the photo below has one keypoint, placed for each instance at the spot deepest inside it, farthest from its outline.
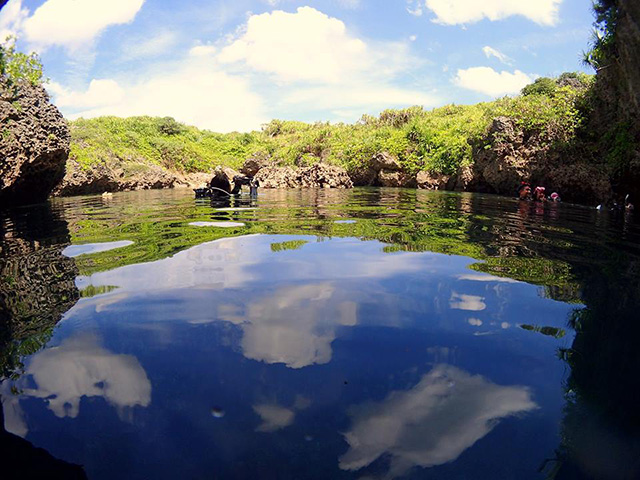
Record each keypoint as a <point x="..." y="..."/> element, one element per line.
<point x="34" y="144"/>
<point x="79" y="180"/>
<point x="319" y="175"/>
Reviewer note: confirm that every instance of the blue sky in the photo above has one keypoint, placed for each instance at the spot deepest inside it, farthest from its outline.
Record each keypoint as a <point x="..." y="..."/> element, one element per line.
<point x="234" y="64"/>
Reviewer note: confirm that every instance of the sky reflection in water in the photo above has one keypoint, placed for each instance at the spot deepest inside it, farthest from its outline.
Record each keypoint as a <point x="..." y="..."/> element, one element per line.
<point x="332" y="360"/>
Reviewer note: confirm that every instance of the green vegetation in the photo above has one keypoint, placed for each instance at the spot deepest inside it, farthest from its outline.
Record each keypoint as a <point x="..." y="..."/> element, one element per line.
<point x="160" y="141"/>
<point x="16" y="67"/>
<point x="440" y="140"/>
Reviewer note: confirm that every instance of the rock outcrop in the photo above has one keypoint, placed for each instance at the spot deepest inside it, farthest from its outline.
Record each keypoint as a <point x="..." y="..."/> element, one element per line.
<point x="383" y="170"/>
<point x="118" y="177"/>
<point x="34" y="144"/>
<point x="319" y="175"/>
<point x="513" y="155"/>
<point x="253" y="164"/>
<point x="433" y="181"/>
<point x="224" y="178"/>
<point x="616" y="115"/>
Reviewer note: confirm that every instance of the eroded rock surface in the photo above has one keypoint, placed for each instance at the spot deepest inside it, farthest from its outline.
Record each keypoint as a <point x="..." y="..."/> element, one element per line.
<point x="34" y="144"/>
<point x="319" y="175"/>
<point x="433" y="181"/>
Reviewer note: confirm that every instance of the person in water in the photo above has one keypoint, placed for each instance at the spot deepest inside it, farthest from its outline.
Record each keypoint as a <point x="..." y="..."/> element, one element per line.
<point x="554" y="197"/>
<point x="538" y="194"/>
<point x="524" y="191"/>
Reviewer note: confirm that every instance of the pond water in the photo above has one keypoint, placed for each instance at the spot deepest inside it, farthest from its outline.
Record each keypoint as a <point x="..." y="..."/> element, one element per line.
<point x="366" y="333"/>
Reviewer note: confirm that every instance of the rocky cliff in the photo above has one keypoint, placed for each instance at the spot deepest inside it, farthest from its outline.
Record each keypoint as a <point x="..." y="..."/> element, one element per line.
<point x="616" y="114"/>
<point x="34" y="144"/>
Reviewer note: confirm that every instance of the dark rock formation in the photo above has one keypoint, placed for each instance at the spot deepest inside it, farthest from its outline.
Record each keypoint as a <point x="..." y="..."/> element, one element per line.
<point x="515" y="155"/>
<point x="34" y="144"/>
<point x="319" y="175"/>
<point x="224" y="179"/>
<point x="253" y="164"/>
<point x="105" y="177"/>
<point x="616" y="115"/>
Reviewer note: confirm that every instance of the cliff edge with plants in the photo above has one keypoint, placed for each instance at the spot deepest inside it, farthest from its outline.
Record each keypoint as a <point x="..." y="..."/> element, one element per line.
<point x="34" y="137"/>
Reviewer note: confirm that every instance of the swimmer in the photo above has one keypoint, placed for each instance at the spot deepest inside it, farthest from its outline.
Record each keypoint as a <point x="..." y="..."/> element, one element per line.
<point x="538" y="194"/>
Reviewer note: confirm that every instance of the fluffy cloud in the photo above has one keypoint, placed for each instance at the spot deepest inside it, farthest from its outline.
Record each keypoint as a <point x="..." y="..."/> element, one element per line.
<point x="79" y="367"/>
<point x="322" y="51"/>
<point x="327" y="66"/>
<point x="486" y="80"/>
<point x="492" y="52"/>
<point x="194" y="92"/>
<point x="454" y="12"/>
<point x="471" y="303"/>
<point x="99" y="94"/>
<point x="11" y="17"/>
<point x="432" y="423"/>
<point x="74" y="24"/>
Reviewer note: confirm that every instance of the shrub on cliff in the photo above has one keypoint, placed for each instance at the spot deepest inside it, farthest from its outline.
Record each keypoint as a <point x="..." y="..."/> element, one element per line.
<point x="16" y="66"/>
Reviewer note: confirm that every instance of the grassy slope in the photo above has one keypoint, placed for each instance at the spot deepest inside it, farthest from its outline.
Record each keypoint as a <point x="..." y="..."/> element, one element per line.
<point x="440" y="140"/>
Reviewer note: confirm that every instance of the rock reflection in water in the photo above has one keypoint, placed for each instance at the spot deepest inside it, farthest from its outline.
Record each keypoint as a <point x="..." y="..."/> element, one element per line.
<point x="37" y="282"/>
<point x="432" y="423"/>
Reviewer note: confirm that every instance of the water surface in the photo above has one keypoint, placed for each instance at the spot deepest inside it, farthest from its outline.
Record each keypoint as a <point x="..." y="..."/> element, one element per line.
<point x="372" y="333"/>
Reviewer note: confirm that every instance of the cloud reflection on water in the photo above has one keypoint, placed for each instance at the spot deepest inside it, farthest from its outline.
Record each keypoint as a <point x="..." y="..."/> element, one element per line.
<point x="78" y="367"/>
<point x="432" y="423"/>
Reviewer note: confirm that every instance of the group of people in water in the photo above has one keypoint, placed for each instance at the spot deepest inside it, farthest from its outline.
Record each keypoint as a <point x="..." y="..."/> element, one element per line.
<point x="538" y="194"/>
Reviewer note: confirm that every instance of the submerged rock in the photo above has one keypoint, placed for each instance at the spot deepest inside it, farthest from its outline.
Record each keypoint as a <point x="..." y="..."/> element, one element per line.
<point x="34" y="144"/>
<point x="320" y="175"/>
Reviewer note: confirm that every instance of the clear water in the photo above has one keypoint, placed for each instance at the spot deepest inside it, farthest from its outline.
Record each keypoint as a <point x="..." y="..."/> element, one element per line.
<point x="372" y="333"/>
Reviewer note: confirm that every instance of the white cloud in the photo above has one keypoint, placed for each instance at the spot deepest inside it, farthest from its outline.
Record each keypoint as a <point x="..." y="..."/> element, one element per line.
<point x="492" y="52"/>
<point x="483" y="277"/>
<point x="431" y="424"/>
<point x="369" y="96"/>
<point x="274" y="417"/>
<point x="472" y="303"/>
<point x="290" y="325"/>
<point x="330" y="67"/>
<point x="454" y="12"/>
<point x="79" y="367"/>
<point x="99" y="94"/>
<point x="11" y="17"/>
<point x="193" y="91"/>
<point x="74" y="24"/>
<point x="414" y="7"/>
<point x="202" y="51"/>
<point x="149" y="47"/>
<point x="486" y="80"/>
<point x="322" y="51"/>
